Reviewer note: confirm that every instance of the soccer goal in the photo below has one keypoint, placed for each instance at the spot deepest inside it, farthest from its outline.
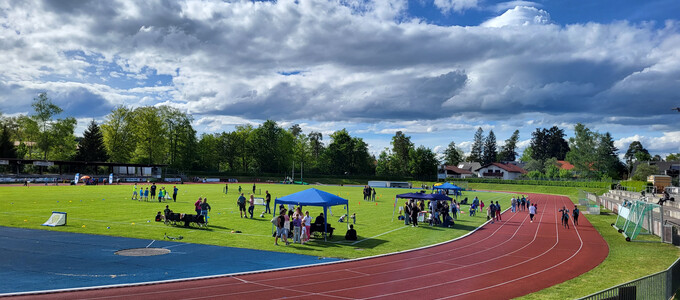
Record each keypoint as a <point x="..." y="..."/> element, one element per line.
<point x="640" y="212"/>
<point x="56" y="219"/>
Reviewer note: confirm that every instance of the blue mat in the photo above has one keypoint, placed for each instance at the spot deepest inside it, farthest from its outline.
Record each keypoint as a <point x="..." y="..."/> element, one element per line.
<point x="33" y="260"/>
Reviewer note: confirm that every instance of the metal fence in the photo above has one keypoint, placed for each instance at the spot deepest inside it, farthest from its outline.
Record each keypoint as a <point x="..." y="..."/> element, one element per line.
<point x="661" y="285"/>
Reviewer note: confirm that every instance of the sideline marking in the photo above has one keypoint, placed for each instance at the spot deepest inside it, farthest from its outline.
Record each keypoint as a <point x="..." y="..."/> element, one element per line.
<point x="147" y="246"/>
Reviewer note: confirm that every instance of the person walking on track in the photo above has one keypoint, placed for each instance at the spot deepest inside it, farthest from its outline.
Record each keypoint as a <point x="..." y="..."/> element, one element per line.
<point x="575" y="213"/>
<point x="532" y="212"/>
<point x="565" y="217"/>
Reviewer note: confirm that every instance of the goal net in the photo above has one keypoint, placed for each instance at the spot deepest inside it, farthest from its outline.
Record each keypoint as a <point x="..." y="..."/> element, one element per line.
<point x="56" y="219"/>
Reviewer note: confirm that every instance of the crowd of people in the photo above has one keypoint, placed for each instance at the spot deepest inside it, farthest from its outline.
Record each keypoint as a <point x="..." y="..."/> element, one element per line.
<point x="369" y="193"/>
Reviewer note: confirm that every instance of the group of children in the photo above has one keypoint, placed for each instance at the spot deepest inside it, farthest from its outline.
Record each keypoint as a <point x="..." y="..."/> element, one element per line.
<point x="147" y="193"/>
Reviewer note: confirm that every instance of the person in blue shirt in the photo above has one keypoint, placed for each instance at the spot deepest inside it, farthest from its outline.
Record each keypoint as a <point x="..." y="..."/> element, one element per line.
<point x="174" y="193"/>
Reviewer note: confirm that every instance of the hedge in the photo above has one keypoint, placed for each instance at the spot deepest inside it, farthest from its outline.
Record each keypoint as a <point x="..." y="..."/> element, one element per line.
<point x="581" y="184"/>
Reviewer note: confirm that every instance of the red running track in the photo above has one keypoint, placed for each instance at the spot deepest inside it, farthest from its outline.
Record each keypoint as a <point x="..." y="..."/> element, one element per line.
<point x="504" y="260"/>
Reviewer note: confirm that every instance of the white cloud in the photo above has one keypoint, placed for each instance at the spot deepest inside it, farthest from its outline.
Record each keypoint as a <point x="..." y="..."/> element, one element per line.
<point x="669" y="142"/>
<point x="520" y="16"/>
<point x="448" y="6"/>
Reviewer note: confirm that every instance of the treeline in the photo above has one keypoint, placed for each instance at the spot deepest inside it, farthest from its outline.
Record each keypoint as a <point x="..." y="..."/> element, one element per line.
<point x="165" y="135"/>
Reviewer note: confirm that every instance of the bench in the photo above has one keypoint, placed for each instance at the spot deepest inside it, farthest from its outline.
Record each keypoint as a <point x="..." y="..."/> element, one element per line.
<point x="175" y="218"/>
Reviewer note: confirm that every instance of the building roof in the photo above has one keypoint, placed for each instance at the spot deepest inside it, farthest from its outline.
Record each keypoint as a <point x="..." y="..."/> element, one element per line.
<point x="457" y="170"/>
<point x="470" y="166"/>
<point x="507" y="167"/>
<point x="565" y="165"/>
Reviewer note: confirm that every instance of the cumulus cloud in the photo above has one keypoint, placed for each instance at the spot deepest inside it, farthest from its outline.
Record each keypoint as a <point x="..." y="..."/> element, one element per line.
<point x="520" y="16"/>
<point x="447" y="6"/>
<point x="359" y="63"/>
<point x="669" y="142"/>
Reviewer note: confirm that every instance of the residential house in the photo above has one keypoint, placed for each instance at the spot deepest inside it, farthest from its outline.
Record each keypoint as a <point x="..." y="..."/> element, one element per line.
<point x="453" y="172"/>
<point x="500" y="171"/>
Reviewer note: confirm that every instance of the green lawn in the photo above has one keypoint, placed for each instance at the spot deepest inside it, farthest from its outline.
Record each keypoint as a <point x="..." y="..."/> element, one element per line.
<point x="108" y="210"/>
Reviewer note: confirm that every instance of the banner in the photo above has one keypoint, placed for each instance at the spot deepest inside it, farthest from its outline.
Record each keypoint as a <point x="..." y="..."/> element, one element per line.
<point x="111" y="178"/>
<point x="4" y="162"/>
<point x="77" y="177"/>
<point x="43" y="163"/>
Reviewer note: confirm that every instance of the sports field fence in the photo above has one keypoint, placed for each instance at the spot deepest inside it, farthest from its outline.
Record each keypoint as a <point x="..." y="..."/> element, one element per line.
<point x="660" y="285"/>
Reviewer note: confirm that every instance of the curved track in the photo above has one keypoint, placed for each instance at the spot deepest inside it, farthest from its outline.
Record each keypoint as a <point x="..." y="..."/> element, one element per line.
<point x="507" y="259"/>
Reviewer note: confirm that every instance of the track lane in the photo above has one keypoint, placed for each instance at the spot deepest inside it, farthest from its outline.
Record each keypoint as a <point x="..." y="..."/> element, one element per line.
<point x="513" y="256"/>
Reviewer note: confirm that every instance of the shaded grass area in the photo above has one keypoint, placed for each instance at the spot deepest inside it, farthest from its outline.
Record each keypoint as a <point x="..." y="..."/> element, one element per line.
<point x="108" y="210"/>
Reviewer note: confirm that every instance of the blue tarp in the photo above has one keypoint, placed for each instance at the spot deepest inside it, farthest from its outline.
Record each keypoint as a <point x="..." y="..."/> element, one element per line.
<point x="447" y="186"/>
<point x="312" y="197"/>
<point x="424" y="196"/>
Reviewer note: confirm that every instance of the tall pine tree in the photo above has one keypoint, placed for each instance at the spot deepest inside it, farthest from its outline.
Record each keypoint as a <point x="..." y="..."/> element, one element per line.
<point x="452" y="155"/>
<point x="490" y="151"/>
<point x="7" y="149"/>
<point x="91" y="147"/>
<point x="509" y="150"/>
<point x="477" y="144"/>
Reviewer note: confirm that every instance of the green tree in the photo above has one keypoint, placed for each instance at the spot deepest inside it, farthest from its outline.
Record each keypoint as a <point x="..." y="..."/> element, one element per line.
<point x="150" y="135"/>
<point x="526" y="155"/>
<point x="490" y="152"/>
<point x="181" y="137"/>
<point x="295" y="130"/>
<point x="384" y="163"/>
<point x="643" y="170"/>
<point x="547" y="143"/>
<point x="673" y="157"/>
<point x="582" y="153"/>
<point x="208" y="152"/>
<point x="244" y="144"/>
<point x="477" y="146"/>
<point x="632" y="155"/>
<point x="119" y="136"/>
<point x="44" y="111"/>
<point x="401" y="149"/>
<point x="91" y="147"/>
<point x="509" y="150"/>
<point x="228" y="150"/>
<point x="607" y="160"/>
<point x="551" y="168"/>
<point x="274" y="147"/>
<point x="453" y="155"/>
<point x="7" y="149"/>
<point x="424" y="163"/>
<point x="347" y="155"/>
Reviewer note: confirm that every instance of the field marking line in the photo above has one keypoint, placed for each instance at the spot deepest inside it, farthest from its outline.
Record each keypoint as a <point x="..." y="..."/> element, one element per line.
<point x="147" y="246"/>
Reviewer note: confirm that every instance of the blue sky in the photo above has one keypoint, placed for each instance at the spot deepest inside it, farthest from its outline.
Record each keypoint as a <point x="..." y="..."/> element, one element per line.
<point x="435" y="70"/>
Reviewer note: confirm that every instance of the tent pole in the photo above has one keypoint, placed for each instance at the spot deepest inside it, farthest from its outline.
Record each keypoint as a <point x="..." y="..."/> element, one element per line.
<point x="325" y="221"/>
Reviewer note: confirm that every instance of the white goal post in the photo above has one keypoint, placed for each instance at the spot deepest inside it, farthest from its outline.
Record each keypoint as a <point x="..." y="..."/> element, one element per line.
<point x="56" y="219"/>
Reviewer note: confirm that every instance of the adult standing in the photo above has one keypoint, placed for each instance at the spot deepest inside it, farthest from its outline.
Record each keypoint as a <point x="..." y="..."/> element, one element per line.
<point x="174" y="193"/>
<point x="226" y="188"/>
<point x="297" y="228"/>
<point x="307" y="222"/>
<point x="251" y="207"/>
<point x="532" y="212"/>
<point x="280" y="228"/>
<point x="153" y="190"/>
<point x="205" y="207"/>
<point x="267" y="200"/>
<point x="414" y="215"/>
<point x="513" y="204"/>
<point x="373" y="189"/>
<point x="253" y="188"/>
<point x="491" y="212"/>
<point x="197" y="205"/>
<point x="575" y="213"/>
<point x="407" y="213"/>
<point x="498" y="212"/>
<point x="241" y="201"/>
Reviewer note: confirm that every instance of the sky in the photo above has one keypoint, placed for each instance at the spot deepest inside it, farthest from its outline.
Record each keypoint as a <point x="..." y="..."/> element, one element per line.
<point x="435" y="70"/>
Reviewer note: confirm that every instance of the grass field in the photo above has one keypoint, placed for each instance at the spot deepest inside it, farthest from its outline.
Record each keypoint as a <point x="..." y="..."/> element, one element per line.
<point x="108" y="210"/>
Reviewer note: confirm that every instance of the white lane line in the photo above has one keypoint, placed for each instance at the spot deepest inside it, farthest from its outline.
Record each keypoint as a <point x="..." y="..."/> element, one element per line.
<point x="147" y="246"/>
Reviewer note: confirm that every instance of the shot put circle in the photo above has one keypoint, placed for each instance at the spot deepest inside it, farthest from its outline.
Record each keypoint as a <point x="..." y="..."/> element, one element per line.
<point x="143" y="252"/>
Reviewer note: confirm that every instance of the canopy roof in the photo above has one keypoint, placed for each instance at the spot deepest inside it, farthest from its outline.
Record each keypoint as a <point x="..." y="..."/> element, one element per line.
<point x="424" y="196"/>
<point x="312" y="197"/>
<point x="447" y="186"/>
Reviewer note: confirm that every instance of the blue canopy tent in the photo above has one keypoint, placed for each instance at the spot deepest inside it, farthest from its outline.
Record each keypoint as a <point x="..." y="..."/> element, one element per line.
<point x="423" y="196"/>
<point x="448" y="187"/>
<point x="314" y="197"/>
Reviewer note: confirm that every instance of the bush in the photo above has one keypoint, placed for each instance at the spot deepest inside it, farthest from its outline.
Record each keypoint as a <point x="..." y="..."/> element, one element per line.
<point x="579" y="184"/>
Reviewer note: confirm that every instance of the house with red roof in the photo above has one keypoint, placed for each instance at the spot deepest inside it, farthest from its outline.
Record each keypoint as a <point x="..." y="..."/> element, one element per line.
<point x="500" y="171"/>
<point x="565" y="165"/>
<point x="452" y="172"/>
